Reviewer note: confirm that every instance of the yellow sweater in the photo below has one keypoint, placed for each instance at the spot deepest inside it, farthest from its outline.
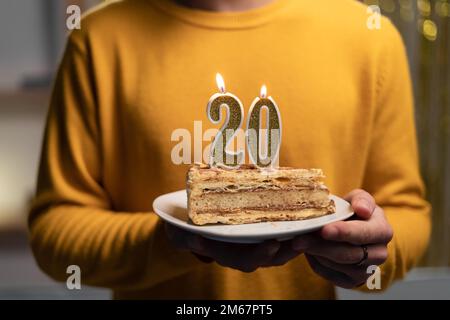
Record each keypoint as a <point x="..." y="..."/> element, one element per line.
<point x="139" y="69"/>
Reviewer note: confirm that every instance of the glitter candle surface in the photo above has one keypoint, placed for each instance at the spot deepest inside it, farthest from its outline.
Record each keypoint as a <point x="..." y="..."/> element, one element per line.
<point x="272" y="132"/>
<point x="235" y="115"/>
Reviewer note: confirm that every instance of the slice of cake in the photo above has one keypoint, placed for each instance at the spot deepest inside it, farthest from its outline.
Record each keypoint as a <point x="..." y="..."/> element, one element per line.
<point x="249" y="194"/>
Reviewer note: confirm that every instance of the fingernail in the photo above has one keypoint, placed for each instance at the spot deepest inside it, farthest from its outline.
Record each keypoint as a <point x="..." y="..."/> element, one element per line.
<point x="299" y="244"/>
<point x="273" y="248"/>
<point x="363" y="204"/>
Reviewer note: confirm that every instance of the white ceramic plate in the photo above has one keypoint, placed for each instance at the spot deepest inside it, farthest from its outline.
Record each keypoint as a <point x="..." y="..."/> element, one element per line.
<point x="172" y="208"/>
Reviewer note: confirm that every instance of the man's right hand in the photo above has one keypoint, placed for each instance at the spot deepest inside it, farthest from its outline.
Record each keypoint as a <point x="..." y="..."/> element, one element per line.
<point x="243" y="257"/>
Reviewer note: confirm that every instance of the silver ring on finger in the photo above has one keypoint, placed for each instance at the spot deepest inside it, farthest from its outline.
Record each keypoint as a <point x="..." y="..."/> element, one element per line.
<point x="365" y="256"/>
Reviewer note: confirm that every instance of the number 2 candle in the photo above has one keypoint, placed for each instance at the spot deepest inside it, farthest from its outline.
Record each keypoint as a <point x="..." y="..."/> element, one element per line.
<point x="234" y="119"/>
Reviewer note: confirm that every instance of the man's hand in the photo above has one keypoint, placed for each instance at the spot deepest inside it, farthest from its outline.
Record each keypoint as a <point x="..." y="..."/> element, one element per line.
<point x="244" y="257"/>
<point x="336" y="252"/>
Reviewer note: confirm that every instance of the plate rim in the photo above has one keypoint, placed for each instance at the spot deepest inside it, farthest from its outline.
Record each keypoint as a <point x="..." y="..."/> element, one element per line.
<point x="275" y="234"/>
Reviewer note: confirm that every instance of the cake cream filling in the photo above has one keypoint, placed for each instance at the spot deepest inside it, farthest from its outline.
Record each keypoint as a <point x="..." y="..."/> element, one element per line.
<point x="264" y="198"/>
<point x="259" y="216"/>
<point x="272" y="212"/>
<point x="259" y="187"/>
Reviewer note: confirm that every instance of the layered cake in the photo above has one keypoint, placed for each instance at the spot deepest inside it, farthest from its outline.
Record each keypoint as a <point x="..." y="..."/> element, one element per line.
<point x="250" y="194"/>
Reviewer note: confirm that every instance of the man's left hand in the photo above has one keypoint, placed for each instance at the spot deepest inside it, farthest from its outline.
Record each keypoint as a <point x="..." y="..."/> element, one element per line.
<point x="341" y="251"/>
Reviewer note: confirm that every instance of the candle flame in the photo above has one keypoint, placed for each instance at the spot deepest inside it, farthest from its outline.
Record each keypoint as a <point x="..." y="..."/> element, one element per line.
<point x="220" y="82"/>
<point x="263" y="92"/>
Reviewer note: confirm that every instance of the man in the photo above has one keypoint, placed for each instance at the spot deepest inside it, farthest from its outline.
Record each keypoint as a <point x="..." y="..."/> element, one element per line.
<point x="139" y="69"/>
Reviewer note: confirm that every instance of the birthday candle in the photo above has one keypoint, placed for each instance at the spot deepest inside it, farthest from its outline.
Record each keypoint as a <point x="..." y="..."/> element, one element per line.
<point x="272" y="131"/>
<point x="235" y="115"/>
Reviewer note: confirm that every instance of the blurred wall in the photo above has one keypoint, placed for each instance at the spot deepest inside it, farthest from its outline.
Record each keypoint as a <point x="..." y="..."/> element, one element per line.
<point x="32" y="38"/>
<point x="21" y="126"/>
<point x="23" y="41"/>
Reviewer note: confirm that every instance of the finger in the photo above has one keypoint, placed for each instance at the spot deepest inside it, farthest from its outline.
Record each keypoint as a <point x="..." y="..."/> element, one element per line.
<point x="356" y="274"/>
<point x="362" y="203"/>
<point x="182" y="239"/>
<point x="283" y="255"/>
<point x="257" y="257"/>
<point x="265" y="252"/>
<point x="171" y="232"/>
<point x="244" y="257"/>
<point x="337" y="278"/>
<point x="203" y="258"/>
<point x="338" y="252"/>
<point x="377" y="255"/>
<point x="358" y="232"/>
<point x="301" y="243"/>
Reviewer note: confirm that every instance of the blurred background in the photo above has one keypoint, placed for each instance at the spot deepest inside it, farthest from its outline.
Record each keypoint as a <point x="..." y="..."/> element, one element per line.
<point x="32" y="37"/>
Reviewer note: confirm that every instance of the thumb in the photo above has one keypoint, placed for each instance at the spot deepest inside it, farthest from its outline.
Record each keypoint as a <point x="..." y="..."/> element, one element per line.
<point x="362" y="203"/>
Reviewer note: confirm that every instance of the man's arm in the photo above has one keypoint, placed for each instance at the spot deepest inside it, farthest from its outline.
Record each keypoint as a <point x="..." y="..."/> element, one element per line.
<point x="70" y="221"/>
<point x="394" y="201"/>
<point x="392" y="174"/>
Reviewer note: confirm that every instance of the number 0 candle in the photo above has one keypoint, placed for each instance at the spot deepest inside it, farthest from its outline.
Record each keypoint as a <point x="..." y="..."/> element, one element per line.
<point x="273" y="130"/>
<point x="233" y="121"/>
